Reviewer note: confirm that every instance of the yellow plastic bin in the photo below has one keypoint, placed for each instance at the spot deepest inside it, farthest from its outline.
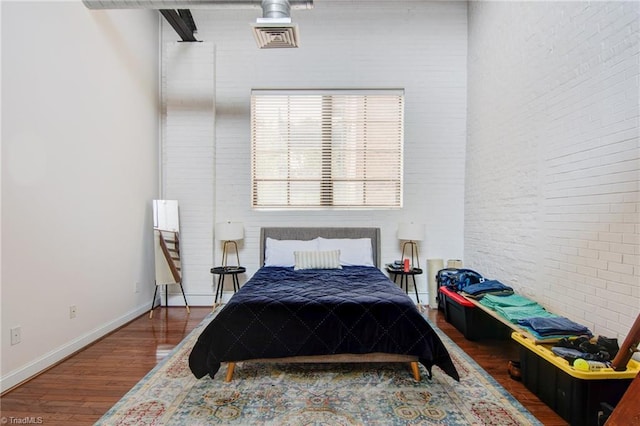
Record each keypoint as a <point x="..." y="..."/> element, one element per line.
<point x="575" y="395"/>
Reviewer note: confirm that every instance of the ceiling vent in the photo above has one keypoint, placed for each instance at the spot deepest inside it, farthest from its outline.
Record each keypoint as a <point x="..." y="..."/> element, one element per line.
<point x="275" y="33"/>
<point x="275" y="30"/>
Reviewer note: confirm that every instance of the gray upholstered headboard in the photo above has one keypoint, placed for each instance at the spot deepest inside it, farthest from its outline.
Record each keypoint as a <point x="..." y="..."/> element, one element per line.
<point x="294" y="233"/>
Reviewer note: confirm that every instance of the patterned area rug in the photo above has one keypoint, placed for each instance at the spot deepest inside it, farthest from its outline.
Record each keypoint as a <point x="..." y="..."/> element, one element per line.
<point x="316" y="394"/>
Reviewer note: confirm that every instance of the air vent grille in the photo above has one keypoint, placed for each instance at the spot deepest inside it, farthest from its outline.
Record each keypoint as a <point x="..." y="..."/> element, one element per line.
<point x="275" y="36"/>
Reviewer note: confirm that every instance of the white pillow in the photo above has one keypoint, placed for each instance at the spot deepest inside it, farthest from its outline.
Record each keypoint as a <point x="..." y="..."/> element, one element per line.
<point x="353" y="251"/>
<point x="280" y="252"/>
<point x="317" y="259"/>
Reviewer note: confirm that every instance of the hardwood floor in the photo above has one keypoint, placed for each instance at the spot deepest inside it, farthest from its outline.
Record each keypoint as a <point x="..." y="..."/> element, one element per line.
<point x="493" y="356"/>
<point x="83" y="387"/>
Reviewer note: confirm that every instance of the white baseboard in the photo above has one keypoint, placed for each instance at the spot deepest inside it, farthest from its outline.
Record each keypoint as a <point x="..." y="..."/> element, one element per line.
<point x="175" y="299"/>
<point x="424" y="297"/>
<point x="35" y="367"/>
<point x="194" y="299"/>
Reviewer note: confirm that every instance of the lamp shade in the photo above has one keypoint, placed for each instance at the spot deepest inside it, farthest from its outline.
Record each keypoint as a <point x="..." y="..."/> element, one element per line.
<point x="229" y="231"/>
<point x="410" y="231"/>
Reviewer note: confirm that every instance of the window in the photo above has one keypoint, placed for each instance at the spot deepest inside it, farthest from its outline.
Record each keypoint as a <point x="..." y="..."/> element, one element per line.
<point x="326" y="149"/>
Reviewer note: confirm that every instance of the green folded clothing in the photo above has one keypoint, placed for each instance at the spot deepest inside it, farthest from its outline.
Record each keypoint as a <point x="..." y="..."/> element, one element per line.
<point x="515" y="313"/>
<point x="491" y="301"/>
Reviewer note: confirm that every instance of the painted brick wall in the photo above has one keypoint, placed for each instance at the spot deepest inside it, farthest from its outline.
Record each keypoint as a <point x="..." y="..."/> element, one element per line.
<point x="552" y="200"/>
<point x="418" y="46"/>
<point x="187" y="155"/>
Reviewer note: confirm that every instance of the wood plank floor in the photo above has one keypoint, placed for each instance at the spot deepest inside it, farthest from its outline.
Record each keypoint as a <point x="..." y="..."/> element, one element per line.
<point x="83" y="387"/>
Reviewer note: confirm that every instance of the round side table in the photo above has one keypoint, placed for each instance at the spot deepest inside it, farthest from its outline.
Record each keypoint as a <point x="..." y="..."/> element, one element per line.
<point x="222" y="272"/>
<point x="404" y="278"/>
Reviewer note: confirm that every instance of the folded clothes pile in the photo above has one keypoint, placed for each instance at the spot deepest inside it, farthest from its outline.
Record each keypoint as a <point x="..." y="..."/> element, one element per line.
<point x="479" y="290"/>
<point x="492" y="301"/>
<point x="517" y="309"/>
<point x="554" y="327"/>
<point x="515" y="314"/>
<point x="514" y="307"/>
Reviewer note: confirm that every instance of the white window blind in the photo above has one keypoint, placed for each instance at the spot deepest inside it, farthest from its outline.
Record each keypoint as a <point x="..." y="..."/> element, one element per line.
<point x="327" y="149"/>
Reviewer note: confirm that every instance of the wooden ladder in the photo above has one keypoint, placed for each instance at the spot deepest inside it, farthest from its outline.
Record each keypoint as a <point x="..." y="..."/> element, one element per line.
<point x="170" y="244"/>
<point x="171" y="250"/>
<point x="627" y="412"/>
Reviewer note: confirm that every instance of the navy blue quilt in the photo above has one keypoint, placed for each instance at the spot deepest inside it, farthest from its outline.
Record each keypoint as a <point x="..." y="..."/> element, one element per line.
<point x="280" y="312"/>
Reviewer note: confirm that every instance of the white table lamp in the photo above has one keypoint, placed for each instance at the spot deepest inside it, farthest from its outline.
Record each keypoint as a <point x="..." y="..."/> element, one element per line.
<point x="410" y="233"/>
<point x="229" y="232"/>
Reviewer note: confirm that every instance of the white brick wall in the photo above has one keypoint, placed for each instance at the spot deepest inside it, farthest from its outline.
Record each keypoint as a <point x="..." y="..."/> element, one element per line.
<point x="187" y="156"/>
<point x="552" y="200"/>
<point x="418" y="46"/>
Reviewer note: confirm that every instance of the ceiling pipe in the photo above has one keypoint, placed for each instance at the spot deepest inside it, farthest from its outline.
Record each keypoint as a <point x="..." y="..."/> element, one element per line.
<point x="188" y="4"/>
<point x="273" y="30"/>
<point x="276" y="9"/>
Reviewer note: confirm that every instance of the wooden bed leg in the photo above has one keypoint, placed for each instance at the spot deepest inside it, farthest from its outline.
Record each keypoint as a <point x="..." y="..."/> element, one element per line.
<point x="230" y="367"/>
<point x="415" y="370"/>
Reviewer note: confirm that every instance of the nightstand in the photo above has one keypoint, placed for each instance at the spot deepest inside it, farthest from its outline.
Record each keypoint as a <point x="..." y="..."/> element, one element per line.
<point x="404" y="277"/>
<point x="222" y="272"/>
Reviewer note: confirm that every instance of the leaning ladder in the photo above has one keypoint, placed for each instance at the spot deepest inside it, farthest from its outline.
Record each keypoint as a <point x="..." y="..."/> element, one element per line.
<point x="171" y="251"/>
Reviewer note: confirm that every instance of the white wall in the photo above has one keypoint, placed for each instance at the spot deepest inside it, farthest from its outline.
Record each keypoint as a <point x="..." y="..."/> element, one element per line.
<point x="418" y="46"/>
<point x="188" y="175"/>
<point x="552" y="201"/>
<point x="80" y="127"/>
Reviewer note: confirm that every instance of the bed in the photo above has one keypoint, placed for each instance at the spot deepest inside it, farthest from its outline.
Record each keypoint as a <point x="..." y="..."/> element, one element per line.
<point x="319" y="311"/>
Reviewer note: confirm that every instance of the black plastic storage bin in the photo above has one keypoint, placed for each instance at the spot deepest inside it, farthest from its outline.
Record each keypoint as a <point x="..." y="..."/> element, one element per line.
<point x="575" y="399"/>
<point x="471" y="321"/>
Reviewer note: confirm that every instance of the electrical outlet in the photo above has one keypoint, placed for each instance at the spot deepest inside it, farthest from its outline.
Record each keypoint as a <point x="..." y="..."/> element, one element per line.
<point x="136" y="287"/>
<point x="72" y="311"/>
<point x="16" y="335"/>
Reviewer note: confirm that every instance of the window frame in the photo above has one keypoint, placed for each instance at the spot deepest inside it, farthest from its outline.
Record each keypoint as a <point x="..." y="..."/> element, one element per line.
<point x="345" y="148"/>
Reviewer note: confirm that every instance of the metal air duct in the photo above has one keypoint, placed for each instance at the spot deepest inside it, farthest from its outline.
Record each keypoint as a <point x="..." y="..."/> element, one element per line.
<point x="275" y="30"/>
<point x="188" y="4"/>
